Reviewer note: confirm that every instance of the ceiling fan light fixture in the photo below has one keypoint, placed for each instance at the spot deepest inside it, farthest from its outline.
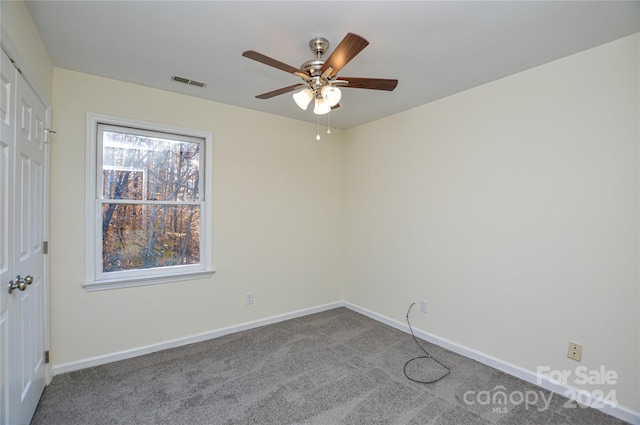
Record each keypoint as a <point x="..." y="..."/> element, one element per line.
<point x="331" y="95"/>
<point x="303" y="98"/>
<point x="320" y="76"/>
<point x="321" y="107"/>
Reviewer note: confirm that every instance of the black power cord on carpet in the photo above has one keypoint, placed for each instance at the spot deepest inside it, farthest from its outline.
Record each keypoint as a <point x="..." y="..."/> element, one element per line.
<point x="426" y="356"/>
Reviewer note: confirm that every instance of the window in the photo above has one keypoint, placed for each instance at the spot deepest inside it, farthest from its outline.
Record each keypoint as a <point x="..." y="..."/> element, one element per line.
<point x="149" y="208"/>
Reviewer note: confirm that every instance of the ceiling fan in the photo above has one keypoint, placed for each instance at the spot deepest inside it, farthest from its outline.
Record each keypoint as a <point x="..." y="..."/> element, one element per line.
<point x="321" y="82"/>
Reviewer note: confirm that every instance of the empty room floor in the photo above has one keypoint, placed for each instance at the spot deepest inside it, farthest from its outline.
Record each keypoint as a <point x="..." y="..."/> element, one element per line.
<point x="334" y="367"/>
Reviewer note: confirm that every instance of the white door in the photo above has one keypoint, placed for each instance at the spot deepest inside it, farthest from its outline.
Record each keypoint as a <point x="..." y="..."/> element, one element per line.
<point x="25" y="305"/>
<point x="7" y="145"/>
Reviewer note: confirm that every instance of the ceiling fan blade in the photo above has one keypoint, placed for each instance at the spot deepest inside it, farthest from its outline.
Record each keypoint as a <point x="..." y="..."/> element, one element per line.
<point x="252" y="54"/>
<point x="369" y="83"/>
<point x="278" y="92"/>
<point x="349" y="47"/>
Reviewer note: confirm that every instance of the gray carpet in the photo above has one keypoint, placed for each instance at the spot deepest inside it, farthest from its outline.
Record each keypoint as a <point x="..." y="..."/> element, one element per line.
<point x="335" y="367"/>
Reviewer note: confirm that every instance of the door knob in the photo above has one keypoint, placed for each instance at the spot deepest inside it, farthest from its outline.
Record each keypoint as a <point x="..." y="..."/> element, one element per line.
<point x="20" y="283"/>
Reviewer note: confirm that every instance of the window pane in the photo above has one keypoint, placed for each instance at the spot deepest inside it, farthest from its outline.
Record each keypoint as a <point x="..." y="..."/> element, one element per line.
<point x="149" y="168"/>
<point x="138" y="236"/>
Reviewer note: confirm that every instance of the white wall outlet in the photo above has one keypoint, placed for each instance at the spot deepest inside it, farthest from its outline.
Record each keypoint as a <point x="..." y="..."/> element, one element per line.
<point x="423" y="306"/>
<point x="249" y="298"/>
<point x="575" y="351"/>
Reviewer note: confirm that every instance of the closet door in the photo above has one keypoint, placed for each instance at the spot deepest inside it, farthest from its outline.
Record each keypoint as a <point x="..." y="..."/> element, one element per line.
<point x="23" y="220"/>
<point x="26" y="330"/>
<point x="7" y="145"/>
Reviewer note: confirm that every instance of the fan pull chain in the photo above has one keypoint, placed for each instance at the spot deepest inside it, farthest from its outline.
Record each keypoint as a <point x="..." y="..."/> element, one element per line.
<point x="318" y="135"/>
<point x="329" y="123"/>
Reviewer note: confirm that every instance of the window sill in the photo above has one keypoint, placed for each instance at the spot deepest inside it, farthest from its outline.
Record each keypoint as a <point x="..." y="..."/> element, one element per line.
<point x="104" y="285"/>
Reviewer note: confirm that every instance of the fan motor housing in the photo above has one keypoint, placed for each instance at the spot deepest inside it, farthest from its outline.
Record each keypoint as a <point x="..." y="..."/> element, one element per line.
<point x="312" y="67"/>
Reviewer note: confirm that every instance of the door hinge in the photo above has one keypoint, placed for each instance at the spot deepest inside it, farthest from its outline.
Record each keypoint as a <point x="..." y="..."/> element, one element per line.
<point x="15" y="65"/>
<point x="46" y="356"/>
<point x="45" y="247"/>
<point x="47" y="134"/>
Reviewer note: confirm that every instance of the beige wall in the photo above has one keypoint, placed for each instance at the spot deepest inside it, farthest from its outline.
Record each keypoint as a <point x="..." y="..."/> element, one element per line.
<point x="277" y="222"/>
<point x="512" y="208"/>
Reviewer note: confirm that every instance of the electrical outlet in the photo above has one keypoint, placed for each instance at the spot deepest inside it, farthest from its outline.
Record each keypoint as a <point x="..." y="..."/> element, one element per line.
<point x="249" y="298"/>
<point x="423" y="306"/>
<point x="575" y="351"/>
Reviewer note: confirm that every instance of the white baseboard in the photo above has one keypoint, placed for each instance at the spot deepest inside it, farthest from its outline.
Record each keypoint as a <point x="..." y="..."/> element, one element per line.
<point x="532" y="377"/>
<point x="148" y="349"/>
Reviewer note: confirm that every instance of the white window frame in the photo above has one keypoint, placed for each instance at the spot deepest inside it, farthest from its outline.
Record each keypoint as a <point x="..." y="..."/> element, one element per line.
<point x="95" y="279"/>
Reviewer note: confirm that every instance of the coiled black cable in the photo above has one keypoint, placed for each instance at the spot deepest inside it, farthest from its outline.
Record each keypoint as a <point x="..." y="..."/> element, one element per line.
<point x="426" y="356"/>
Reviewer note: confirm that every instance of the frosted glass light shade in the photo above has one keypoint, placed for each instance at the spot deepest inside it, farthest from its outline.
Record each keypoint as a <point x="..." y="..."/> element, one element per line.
<point x="302" y="98"/>
<point x="321" y="107"/>
<point x="331" y="95"/>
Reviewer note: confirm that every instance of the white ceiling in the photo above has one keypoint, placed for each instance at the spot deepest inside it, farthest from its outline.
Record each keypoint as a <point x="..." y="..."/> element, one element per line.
<point x="433" y="48"/>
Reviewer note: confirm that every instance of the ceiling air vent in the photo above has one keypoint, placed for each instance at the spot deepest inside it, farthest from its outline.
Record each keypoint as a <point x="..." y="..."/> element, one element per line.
<point x="188" y="81"/>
